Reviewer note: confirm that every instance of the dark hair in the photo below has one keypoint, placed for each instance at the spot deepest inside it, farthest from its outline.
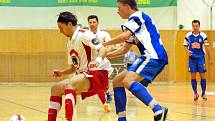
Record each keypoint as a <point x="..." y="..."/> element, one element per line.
<point x="92" y="17"/>
<point x="131" y="3"/>
<point x="66" y="17"/>
<point x="196" y="21"/>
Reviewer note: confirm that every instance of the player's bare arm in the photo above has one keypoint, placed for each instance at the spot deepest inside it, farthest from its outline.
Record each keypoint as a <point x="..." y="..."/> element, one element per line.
<point x="69" y="70"/>
<point x="102" y="52"/>
<point x="187" y="50"/>
<point x="119" y="52"/>
<point x="207" y="48"/>
<point x="119" y="39"/>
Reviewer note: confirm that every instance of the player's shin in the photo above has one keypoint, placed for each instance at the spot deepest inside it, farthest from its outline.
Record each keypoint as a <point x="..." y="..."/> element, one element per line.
<point x="142" y="94"/>
<point x="70" y="101"/>
<point x="54" y="107"/>
<point x="120" y="102"/>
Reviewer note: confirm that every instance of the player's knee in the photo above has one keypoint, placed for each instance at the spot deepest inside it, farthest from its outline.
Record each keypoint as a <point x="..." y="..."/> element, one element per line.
<point x="126" y="83"/>
<point x="57" y="88"/>
<point x="117" y="83"/>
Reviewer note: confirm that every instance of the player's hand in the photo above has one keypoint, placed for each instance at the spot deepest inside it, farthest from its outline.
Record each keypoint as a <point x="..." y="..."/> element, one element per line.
<point x="57" y="73"/>
<point x="104" y="44"/>
<point x="210" y="61"/>
<point x="93" y="64"/>
<point x="189" y="52"/>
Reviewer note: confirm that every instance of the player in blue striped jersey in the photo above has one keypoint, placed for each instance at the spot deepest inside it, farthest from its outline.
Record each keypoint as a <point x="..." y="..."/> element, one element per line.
<point x="139" y="30"/>
<point x="196" y="43"/>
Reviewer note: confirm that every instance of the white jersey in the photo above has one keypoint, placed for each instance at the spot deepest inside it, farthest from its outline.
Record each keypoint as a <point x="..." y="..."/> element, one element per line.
<point x="102" y="35"/>
<point x="82" y="49"/>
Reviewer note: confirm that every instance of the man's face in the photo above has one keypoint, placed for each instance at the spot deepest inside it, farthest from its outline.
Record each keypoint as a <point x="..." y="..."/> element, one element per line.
<point x="65" y="28"/>
<point x="196" y="27"/>
<point x="93" y="24"/>
<point x="123" y="10"/>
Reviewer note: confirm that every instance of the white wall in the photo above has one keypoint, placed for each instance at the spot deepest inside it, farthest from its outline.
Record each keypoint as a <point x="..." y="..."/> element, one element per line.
<point x="189" y="10"/>
<point x="45" y="17"/>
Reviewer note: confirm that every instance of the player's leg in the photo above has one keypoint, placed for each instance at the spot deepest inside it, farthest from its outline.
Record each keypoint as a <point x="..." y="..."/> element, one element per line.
<point x="202" y="70"/>
<point x="103" y="99"/>
<point x="109" y="96"/>
<point x="194" y="85"/>
<point x="120" y="95"/>
<point x="193" y="69"/>
<point x="139" y="72"/>
<point x="70" y="88"/>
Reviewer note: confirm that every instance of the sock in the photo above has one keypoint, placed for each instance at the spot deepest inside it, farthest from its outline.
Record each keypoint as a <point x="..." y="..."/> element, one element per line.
<point x="194" y="85"/>
<point x="145" y="82"/>
<point x="102" y="97"/>
<point x="70" y="101"/>
<point x="54" y="107"/>
<point x="142" y="94"/>
<point x="122" y="119"/>
<point x="120" y="102"/>
<point x="203" y="85"/>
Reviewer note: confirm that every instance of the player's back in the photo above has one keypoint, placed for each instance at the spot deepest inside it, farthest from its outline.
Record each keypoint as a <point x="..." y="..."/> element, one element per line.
<point x="150" y="43"/>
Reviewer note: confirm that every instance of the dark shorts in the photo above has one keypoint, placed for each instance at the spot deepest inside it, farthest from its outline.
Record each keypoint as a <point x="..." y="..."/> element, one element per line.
<point x="197" y="64"/>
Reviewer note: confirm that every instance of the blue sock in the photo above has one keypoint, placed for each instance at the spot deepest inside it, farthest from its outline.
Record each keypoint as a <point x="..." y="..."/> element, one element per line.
<point x="142" y="94"/>
<point x="194" y="85"/>
<point x="120" y="101"/>
<point x="122" y="119"/>
<point x="203" y="85"/>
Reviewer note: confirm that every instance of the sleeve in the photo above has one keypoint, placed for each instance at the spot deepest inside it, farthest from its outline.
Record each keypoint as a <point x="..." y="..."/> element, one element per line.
<point x="133" y="25"/>
<point x="130" y="40"/>
<point x="90" y="39"/>
<point x="205" y="39"/>
<point x="107" y="37"/>
<point x="186" y="40"/>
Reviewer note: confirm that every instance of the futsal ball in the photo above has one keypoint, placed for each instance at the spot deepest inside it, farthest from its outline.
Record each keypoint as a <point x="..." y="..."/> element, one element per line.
<point x="17" y="117"/>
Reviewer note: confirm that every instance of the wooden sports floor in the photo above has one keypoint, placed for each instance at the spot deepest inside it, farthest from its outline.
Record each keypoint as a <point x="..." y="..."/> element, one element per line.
<point x="31" y="100"/>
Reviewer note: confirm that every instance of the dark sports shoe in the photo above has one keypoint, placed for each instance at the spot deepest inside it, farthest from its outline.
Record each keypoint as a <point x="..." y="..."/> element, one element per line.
<point x="109" y="97"/>
<point x="161" y="116"/>
<point x="196" y="96"/>
<point x="204" y="97"/>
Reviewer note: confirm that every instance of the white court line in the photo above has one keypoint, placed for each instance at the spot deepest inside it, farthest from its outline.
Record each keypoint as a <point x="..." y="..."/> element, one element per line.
<point x="185" y="105"/>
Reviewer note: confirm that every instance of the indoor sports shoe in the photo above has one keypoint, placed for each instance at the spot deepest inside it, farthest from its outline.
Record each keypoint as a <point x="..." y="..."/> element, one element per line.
<point x="109" y="97"/>
<point x="106" y="107"/>
<point x="161" y="116"/>
<point x="204" y="97"/>
<point x="196" y="96"/>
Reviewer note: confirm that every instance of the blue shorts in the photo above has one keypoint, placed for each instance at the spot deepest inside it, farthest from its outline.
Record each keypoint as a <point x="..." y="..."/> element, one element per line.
<point x="197" y="64"/>
<point x="147" y="68"/>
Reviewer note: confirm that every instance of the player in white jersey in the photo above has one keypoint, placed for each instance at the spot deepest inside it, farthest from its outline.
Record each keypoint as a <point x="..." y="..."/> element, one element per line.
<point x="102" y="35"/>
<point x="93" y="23"/>
<point x="86" y="57"/>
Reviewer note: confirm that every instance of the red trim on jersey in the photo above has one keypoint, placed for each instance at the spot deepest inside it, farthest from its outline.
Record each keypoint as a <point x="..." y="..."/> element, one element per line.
<point x="73" y="51"/>
<point x="19" y="117"/>
<point x="81" y="30"/>
<point x="76" y="54"/>
<point x="88" y="52"/>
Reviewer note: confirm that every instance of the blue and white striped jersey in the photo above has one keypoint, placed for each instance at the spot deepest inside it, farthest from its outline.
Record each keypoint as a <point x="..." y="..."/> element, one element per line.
<point x="149" y="42"/>
<point x="195" y="43"/>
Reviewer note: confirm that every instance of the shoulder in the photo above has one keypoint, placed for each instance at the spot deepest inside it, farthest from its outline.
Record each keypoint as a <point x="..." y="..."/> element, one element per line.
<point x="82" y="30"/>
<point x="203" y="34"/>
<point x="188" y="34"/>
